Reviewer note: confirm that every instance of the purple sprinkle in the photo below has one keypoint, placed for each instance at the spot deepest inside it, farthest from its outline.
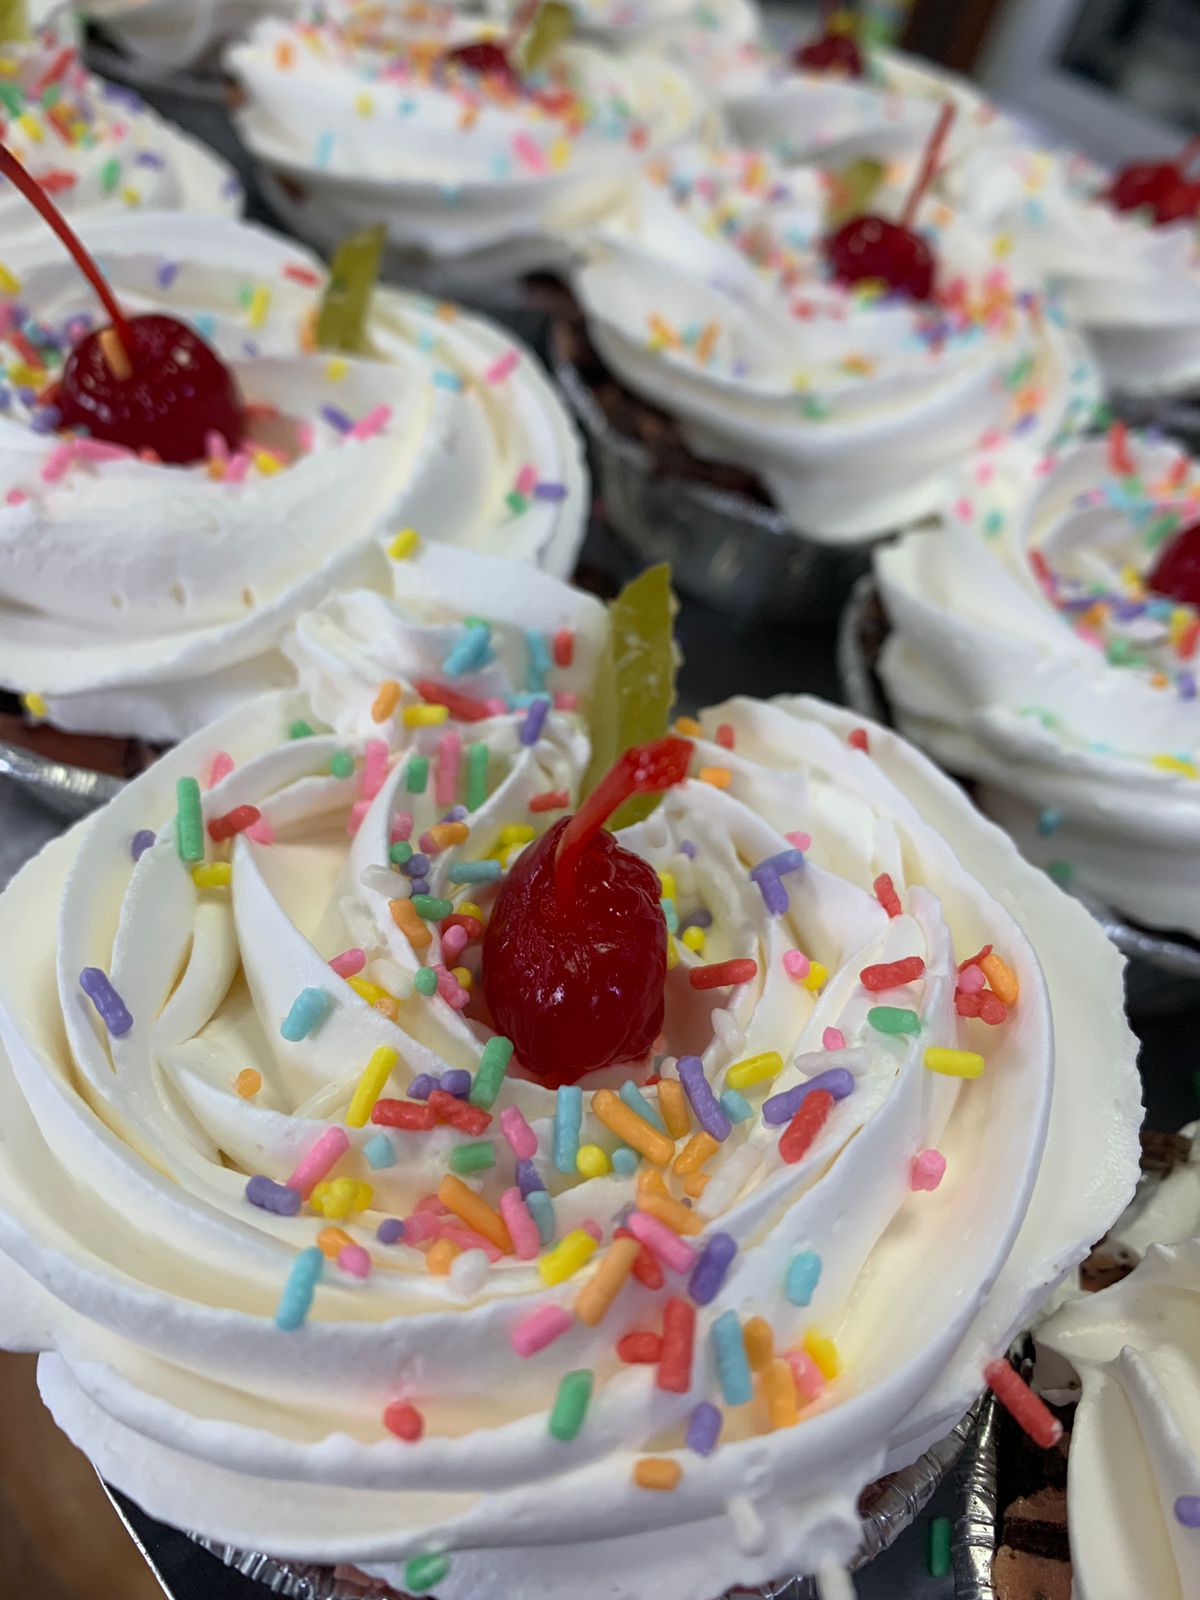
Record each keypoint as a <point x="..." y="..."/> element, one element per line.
<point x="250" y="348"/>
<point x="336" y="418"/>
<point x="45" y="419"/>
<point x="390" y="1231"/>
<point x="149" y="158"/>
<point x="271" y="1196"/>
<point x="550" y="491"/>
<point x="1187" y="1510"/>
<point x="704" y="1103"/>
<point x="774" y="894"/>
<point x="704" y="1428"/>
<point x="456" y="814"/>
<point x="167" y="272"/>
<point x="99" y="990"/>
<point x="420" y="885"/>
<point x="709" y="1272"/>
<point x="699" y="918"/>
<point x="535" y="721"/>
<point x="5" y="399"/>
<point x="232" y="187"/>
<point x="457" y="1082"/>
<point x="527" y="1178"/>
<point x="422" y="1086"/>
<point x="776" y="866"/>
<point x="781" y="1108"/>
<point x="688" y="849"/>
<point x="417" y="866"/>
<point x="1187" y="685"/>
<point x="142" y="840"/>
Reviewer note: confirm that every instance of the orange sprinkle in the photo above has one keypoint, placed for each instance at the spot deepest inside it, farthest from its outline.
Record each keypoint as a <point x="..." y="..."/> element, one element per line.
<point x="248" y="1082"/>
<point x="759" y="1339"/>
<point x="689" y="728"/>
<point x="388" y="1007"/>
<point x="385" y="701"/>
<point x="651" y="1181"/>
<point x="719" y="777"/>
<point x="439" y="1257"/>
<point x="1001" y="977"/>
<point x="672" y="1104"/>
<point x="656" y="1472"/>
<point x="706" y="341"/>
<point x="333" y="1240"/>
<point x="701" y="1147"/>
<point x="695" y="1185"/>
<point x="674" y="1213"/>
<point x="404" y="915"/>
<point x="603" y="1287"/>
<point x="779" y="1391"/>
<point x="445" y="834"/>
<point x="476" y="1213"/>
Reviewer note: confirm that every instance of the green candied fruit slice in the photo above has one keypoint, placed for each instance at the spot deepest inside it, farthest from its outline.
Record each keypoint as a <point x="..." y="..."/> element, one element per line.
<point x="346" y="302"/>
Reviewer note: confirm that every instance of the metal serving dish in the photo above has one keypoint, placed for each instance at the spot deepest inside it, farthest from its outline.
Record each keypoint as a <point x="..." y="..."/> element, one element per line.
<point x="71" y="791"/>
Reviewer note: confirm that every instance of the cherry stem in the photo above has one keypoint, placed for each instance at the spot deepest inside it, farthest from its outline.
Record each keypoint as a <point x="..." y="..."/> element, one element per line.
<point x="929" y="164"/>
<point x="1187" y="155"/>
<point x="23" y="180"/>
<point x="521" y="21"/>
<point x="644" y="769"/>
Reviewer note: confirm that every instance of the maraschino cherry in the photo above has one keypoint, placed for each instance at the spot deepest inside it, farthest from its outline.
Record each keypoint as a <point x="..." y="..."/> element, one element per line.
<point x="575" y="954"/>
<point x="1177" y="571"/>
<point x="1160" y="187"/>
<point x="495" y="58"/>
<point x="835" y="50"/>
<point x="150" y="382"/>
<point x="872" y="248"/>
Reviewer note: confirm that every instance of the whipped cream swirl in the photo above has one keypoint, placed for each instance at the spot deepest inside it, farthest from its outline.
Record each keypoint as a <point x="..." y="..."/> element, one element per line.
<point x="154" y="1285"/>
<point x="1028" y="653"/>
<point x="138" y="598"/>
<point x="709" y="298"/>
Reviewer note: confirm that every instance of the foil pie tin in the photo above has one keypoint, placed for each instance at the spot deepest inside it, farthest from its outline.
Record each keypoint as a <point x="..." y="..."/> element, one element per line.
<point x="70" y="791"/>
<point x="888" y="1507"/>
<point x="735" y="554"/>
<point x="1163" y="972"/>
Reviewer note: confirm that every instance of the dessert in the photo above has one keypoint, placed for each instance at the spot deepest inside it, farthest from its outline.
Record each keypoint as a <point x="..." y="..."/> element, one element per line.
<point x="174" y="34"/>
<point x="482" y="166"/>
<point x="1043" y="645"/>
<point x="321" y="1266"/>
<point x="183" y="578"/>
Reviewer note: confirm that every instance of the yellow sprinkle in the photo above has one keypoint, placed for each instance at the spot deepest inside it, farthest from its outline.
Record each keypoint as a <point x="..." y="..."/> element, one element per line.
<point x="260" y="304"/>
<point x="131" y="197"/>
<point x="672" y="953"/>
<point x="719" y="777"/>
<point x="516" y="833"/>
<point x="822" y="1350"/>
<point x="464" y="975"/>
<point x="370" y="1086"/>
<point x="701" y="1147"/>
<point x="339" y="1198"/>
<point x="23" y="376"/>
<point x="592" y="1161"/>
<point x="336" y="368"/>
<point x="779" y="1392"/>
<point x="9" y="282"/>
<point x="424" y="716"/>
<point x="439" y="1256"/>
<point x="754" y="1069"/>
<point x="212" y="875"/>
<point x="667" y="879"/>
<point x="817" y="977"/>
<point x="266" y="463"/>
<point x="247" y="1083"/>
<point x="689" y="728"/>
<point x="560" y="153"/>
<point x="693" y="938"/>
<point x="404" y="545"/>
<point x="31" y="127"/>
<point x="1002" y="244"/>
<point x="364" y="104"/>
<point x="954" y="1063"/>
<point x="1186" y="769"/>
<point x="759" y="1338"/>
<point x="468" y="908"/>
<point x="1001" y="977"/>
<point x="566" y="1258"/>
<point x="368" y="991"/>
<point x="656" y="1472"/>
<point x="673" y="1107"/>
<point x="35" y="704"/>
<point x="385" y="701"/>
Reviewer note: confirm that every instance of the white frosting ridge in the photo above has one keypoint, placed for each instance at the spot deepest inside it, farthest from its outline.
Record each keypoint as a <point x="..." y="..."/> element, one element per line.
<point x="131" y="1256"/>
<point x="1068" y="696"/>
<point x="182" y="583"/>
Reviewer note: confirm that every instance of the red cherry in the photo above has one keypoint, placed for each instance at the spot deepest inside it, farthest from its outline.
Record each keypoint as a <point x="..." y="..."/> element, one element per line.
<point x="177" y="393"/>
<point x="487" y="58"/>
<point x="832" y="52"/>
<point x="874" y="248"/>
<point x="1159" y="187"/>
<point x="1177" y="571"/>
<point x="575" y="953"/>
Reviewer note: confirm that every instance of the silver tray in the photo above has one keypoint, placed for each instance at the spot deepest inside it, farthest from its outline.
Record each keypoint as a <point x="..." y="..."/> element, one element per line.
<point x="977" y="1526"/>
<point x="71" y="791"/>
<point x="734" y="553"/>
<point x="891" y="1505"/>
<point x="1164" y="970"/>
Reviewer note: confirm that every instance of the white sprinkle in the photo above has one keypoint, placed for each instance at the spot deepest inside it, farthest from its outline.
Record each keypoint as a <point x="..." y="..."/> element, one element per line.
<point x="729" y="1180"/>
<point x="749" y="1529"/>
<point x="395" y="885"/>
<point x="834" y="1582"/>
<point x="468" y="1273"/>
<point x="394" y="979"/>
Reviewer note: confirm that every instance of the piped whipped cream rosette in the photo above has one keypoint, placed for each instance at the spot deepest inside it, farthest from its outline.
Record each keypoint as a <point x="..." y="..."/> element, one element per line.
<point x="469" y="169"/>
<point x="95" y="148"/>
<point x="710" y="298"/>
<point x="138" y="597"/>
<point x="174" y="34"/>
<point x="320" y="1268"/>
<point x="1029" y="653"/>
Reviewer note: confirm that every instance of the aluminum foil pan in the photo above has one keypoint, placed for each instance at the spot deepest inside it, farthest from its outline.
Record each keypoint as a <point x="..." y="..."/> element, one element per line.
<point x="888" y="1507"/>
<point x="977" y="1527"/>
<point x="71" y="791"/>
<point x="735" y="554"/>
<point x="1164" y="970"/>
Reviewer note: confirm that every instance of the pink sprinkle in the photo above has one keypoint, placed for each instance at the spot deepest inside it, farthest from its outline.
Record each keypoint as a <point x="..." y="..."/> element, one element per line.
<point x="527" y="153"/>
<point x="928" y="1170"/>
<point x="526" y="479"/>
<point x="466" y="1238"/>
<point x="349" y="962"/>
<point x="374" y="422"/>
<point x="216" y="446"/>
<point x="402" y="827"/>
<point x="796" y="964"/>
<point x="671" y="1250"/>
<point x="527" y="1241"/>
<point x="590" y="1225"/>
<point x="239" y="466"/>
<point x="519" y="1134"/>
<point x="430" y="1203"/>
<point x="222" y="766"/>
<point x="454" y="941"/>
<point x="261" y="832"/>
<point x="56" y="463"/>
<point x="449" y="761"/>
<point x="802" y="841"/>
<point x="833" y="1039"/>
<point x="809" y="1378"/>
<point x="307" y="435"/>
<point x="374" y="769"/>
<point x="358" y="812"/>
<point x="421" y="1227"/>
<point x="496" y="707"/>
<point x="500" y="369"/>
<point x="539" y="1327"/>
<point x="964" y="510"/>
<point x="971" y="980"/>
<point x="566" y="700"/>
<point x="100" y="450"/>
<point x="16" y="497"/>
<point x="320" y="1161"/>
<point x="451" y="991"/>
<point x="352" y="1258"/>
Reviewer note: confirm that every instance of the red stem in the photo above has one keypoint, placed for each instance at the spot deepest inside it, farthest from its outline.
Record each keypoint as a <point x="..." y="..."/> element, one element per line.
<point x="645" y="769"/>
<point x="16" y="174"/>
<point x="929" y="164"/>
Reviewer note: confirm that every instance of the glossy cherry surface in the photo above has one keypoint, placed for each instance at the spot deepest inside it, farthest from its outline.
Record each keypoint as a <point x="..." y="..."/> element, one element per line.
<point x="871" y="247"/>
<point x="177" y="392"/>
<point x="832" y="52"/>
<point x="1161" y="188"/>
<point x="575" y="952"/>
<point x="1177" y="571"/>
<point x="485" y="57"/>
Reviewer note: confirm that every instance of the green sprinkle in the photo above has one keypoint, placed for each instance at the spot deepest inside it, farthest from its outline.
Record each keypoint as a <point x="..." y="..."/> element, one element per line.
<point x="570" y="1404"/>
<point x="110" y="174"/>
<point x="189" y="826"/>
<point x="1062" y="872"/>
<point x="515" y="502"/>
<point x="422" y="1572"/>
<point x="812" y="408"/>
<point x="893" y="1019"/>
<point x="939" y="1547"/>
<point x="341" y="764"/>
<point x="400" y="852"/>
<point x="475" y="1157"/>
<point x="425" y="981"/>
<point x="12" y="99"/>
<point x="417" y="775"/>
<point x="1161" y="530"/>
<point x="1121" y="653"/>
<point x="477" y="775"/>
<point x="431" y="907"/>
<point x="493" y="1064"/>
<point x="300" y="729"/>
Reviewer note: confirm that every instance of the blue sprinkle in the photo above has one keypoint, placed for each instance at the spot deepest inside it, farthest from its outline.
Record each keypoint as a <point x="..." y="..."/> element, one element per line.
<point x="324" y="149"/>
<point x="803" y="1275"/>
<point x="733" y="1368"/>
<point x="539" y="660"/>
<point x="471" y="651"/>
<point x="309" y="1010"/>
<point x="568" y="1118"/>
<point x="625" y="1161"/>
<point x="380" y="1152"/>
<point x="541" y="1209"/>
<point x="296" y="1300"/>
<point x="640" y="1106"/>
<point x="1049" y="820"/>
<point x="473" y="871"/>
<point x="735" y="1105"/>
